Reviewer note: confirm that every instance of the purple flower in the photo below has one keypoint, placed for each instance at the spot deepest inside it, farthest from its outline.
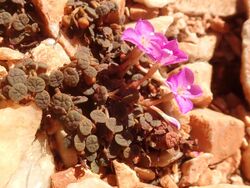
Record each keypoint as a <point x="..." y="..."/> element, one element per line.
<point x="183" y="88"/>
<point x="167" y="52"/>
<point x="141" y="36"/>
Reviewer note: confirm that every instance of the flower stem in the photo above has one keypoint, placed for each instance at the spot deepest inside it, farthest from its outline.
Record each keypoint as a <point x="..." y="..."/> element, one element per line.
<point x="132" y="59"/>
<point x="149" y="74"/>
<point x="165" y="98"/>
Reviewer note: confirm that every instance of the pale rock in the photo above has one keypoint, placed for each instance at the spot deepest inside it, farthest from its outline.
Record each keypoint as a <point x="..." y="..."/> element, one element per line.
<point x="203" y="76"/>
<point x="229" y="166"/>
<point x="210" y="177"/>
<point x="160" y="24"/>
<point x="36" y="167"/>
<point x="221" y="186"/>
<point x="52" y="12"/>
<point x="18" y="127"/>
<point x="214" y="7"/>
<point x="139" y="11"/>
<point x="245" y="60"/>
<point x="126" y="177"/>
<point x="10" y="54"/>
<point x="68" y="155"/>
<point x="246" y="162"/>
<point x="155" y="3"/>
<point x="167" y="182"/>
<point x="145" y="185"/>
<point x="194" y="168"/>
<point x="216" y="133"/>
<point x="89" y="182"/>
<point x="51" y="53"/>
<point x="202" y="50"/>
<point x="164" y="158"/>
<point x="117" y="16"/>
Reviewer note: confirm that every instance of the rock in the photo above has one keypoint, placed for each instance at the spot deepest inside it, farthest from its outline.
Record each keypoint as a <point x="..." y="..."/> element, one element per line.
<point x="52" y="12"/>
<point x="203" y="77"/>
<point x="145" y="174"/>
<point x="145" y="185"/>
<point x="203" y="50"/>
<point x="161" y="23"/>
<point x="36" y="167"/>
<point x="63" y="178"/>
<point x="210" y="177"/>
<point x="194" y="168"/>
<point x="138" y="11"/>
<point x="164" y="158"/>
<point x="246" y="162"/>
<point x="3" y="72"/>
<point x="229" y="166"/>
<point x="245" y="60"/>
<point x="68" y="155"/>
<point x="222" y="186"/>
<point x="216" y="133"/>
<point x="126" y="177"/>
<point x="51" y="53"/>
<point x="155" y="3"/>
<point x="90" y="182"/>
<point x="18" y="127"/>
<point x="167" y="182"/>
<point x="9" y="54"/>
<point x="214" y="7"/>
<point x="117" y="16"/>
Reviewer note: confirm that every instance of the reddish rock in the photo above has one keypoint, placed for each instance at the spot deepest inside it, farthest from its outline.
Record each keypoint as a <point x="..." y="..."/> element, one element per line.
<point x="222" y="186"/>
<point x="202" y="50"/>
<point x="246" y="162"/>
<point x="214" y="7"/>
<point x="63" y="178"/>
<point x="216" y="133"/>
<point x="155" y="3"/>
<point x="245" y="60"/>
<point x="139" y="11"/>
<point x="90" y="182"/>
<point x="194" y="168"/>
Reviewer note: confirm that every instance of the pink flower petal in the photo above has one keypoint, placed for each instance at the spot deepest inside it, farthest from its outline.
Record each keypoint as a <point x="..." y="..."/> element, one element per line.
<point x="184" y="104"/>
<point x="185" y="78"/>
<point x="131" y="36"/>
<point x="195" y="91"/>
<point x="144" y="27"/>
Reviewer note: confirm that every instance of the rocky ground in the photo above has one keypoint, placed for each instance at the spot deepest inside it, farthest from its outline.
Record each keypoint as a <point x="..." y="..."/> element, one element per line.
<point x="37" y="147"/>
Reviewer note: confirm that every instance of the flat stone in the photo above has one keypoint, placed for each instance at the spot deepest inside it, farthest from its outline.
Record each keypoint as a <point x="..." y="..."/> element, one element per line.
<point x="10" y="54"/>
<point x="51" y="53"/>
<point x="36" y="167"/>
<point x="18" y="127"/>
<point x="216" y="133"/>
<point x="203" y="77"/>
<point x="52" y="12"/>
<point x="203" y="50"/>
<point x="139" y="11"/>
<point x="214" y="7"/>
<point x="155" y="3"/>
<point x="164" y="158"/>
<point x="194" y="168"/>
<point x="246" y="162"/>
<point x="167" y="182"/>
<point x="245" y="60"/>
<point x="161" y="23"/>
<point x="126" y="177"/>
